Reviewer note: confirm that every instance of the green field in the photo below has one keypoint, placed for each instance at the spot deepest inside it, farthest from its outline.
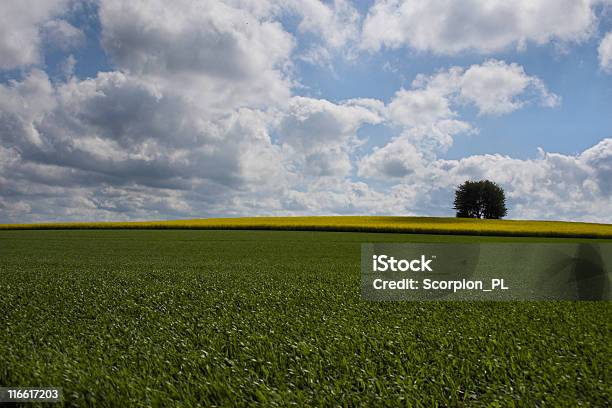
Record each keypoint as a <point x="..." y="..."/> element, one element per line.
<point x="225" y="318"/>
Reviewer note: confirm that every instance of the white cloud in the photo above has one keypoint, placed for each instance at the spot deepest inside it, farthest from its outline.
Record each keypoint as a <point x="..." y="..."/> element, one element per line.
<point x="605" y="53"/>
<point x="319" y="135"/>
<point x="317" y="122"/>
<point x="495" y="87"/>
<point x="112" y="141"/>
<point x="419" y="106"/>
<point x="437" y="137"/>
<point x="450" y="27"/>
<point x="147" y="37"/>
<point x="117" y="129"/>
<point x="62" y="34"/>
<point x="221" y="55"/>
<point x="188" y="112"/>
<point x="334" y="23"/>
<point x="599" y="158"/>
<point x="324" y="28"/>
<point x="22" y="106"/>
<point x="397" y="159"/>
<point x="20" y="25"/>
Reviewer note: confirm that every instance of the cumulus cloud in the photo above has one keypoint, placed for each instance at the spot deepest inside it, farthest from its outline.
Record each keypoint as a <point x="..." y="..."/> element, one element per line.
<point x="450" y="27"/>
<point x="146" y="37"/>
<point x="495" y="87"/>
<point x="397" y="159"/>
<point x="319" y="135"/>
<point x="119" y="130"/>
<point x="188" y="112"/>
<point x="334" y="23"/>
<point x="111" y="141"/>
<point x="605" y="53"/>
<point x="20" y="30"/>
<point x="419" y="106"/>
<point x="222" y="55"/>
<point x="325" y="28"/>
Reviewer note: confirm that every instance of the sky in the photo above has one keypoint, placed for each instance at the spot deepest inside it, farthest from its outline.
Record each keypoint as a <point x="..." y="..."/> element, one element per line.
<point x="144" y="110"/>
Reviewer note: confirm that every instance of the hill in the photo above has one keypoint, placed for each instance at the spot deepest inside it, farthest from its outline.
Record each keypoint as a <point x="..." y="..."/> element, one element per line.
<point x="418" y="225"/>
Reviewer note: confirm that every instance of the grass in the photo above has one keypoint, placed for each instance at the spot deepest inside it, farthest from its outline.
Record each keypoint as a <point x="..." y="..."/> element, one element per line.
<point x="235" y="318"/>
<point x="420" y="225"/>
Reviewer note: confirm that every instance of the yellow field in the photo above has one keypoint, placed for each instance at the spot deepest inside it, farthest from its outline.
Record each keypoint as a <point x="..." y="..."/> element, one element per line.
<point x="424" y="225"/>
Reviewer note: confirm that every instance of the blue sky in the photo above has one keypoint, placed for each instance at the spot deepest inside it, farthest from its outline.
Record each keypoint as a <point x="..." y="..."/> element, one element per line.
<point x="149" y="110"/>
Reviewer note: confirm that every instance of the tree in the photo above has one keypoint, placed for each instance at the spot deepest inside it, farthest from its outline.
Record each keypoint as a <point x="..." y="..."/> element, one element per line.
<point x="480" y="199"/>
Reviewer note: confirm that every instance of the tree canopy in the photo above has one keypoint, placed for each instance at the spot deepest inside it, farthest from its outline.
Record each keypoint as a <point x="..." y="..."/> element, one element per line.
<point x="480" y="199"/>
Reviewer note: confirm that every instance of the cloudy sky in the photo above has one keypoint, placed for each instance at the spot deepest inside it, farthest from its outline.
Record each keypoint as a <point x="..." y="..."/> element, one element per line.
<point x="155" y="109"/>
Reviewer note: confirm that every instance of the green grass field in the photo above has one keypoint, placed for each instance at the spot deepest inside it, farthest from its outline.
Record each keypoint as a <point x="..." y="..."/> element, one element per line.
<point x="226" y="318"/>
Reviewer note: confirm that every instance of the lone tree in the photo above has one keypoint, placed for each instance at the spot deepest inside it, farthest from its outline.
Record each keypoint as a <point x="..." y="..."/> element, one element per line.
<point x="480" y="199"/>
